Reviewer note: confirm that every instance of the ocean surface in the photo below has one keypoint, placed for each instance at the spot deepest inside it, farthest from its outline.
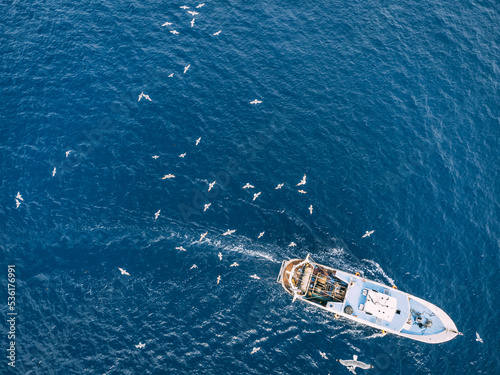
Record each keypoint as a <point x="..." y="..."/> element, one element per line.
<point x="391" y="109"/>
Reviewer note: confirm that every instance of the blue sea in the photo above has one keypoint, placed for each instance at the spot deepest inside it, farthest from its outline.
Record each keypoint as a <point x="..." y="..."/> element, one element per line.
<point x="391" y="110"/>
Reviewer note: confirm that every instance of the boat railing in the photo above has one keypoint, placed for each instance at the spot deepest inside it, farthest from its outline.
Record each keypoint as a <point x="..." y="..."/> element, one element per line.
<point x="282" y="271"/>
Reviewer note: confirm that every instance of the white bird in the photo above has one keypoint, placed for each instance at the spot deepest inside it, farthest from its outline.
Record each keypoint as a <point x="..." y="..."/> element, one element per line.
<point x="198" y="141"/>
<point x="17" y="204"/>
<point x="368" y="233"/>
<point x="292" y="244"/>
<point x="140" y="346"/>
<point x="228" y="232"/>
<point x="186" y="68"/>
<point x="206" y="206"/>
<point x="168" y="176"/>
<point x="200" y="5"/>
<point x="202" y="236"/>
<point x="478" y="338"/>
<point x="54" y="172"/>
<point x="220" y="256"/>
<point x="218" y="279"/>
<point x="192" y="13"/>
<point x="67" y="153"/>
<point x="171" y="75"/>
<point x="234" y="265"/>
<point x="303" y="181"/>
<point x="256" y="195"/>
<point x="218" y="32"/>
<point x="180" y="248"/>
<point x="192" y="22"/>
<point x="18" y="196"/>
<point x="142" y="95"/>
<point x="248" y="186"/>
<point x="182" y="155"/>
<point x="157" y="214"/>
<point x="256" y="102"/>
<point x="155" y="157"/>
<point x="174" y="32"/>
<point x="351" y="364"/>
<point x="311" y="209"/>
<point x="211" y="185"/>
<point x="193" y="266"/>
<point x="167" y="24"/>
<point x="323" y="354"/>
<point x="124" y="272"/>
<point x="184" y="7"/>
<point x="254" y="350"/>
<point x="279" y="186"/>
<point x="254" y="276"/>
<point x="302" y="191"/>
<point x="261" y="234"/>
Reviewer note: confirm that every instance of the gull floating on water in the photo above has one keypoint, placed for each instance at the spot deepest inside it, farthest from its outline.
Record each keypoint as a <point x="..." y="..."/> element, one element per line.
<point x="193" y="266"/>
<point x="255" y="350"/>
<point x="142" y="95"/>
<point x="323" y="354"/>
<point x="368" y="233"/>
<point x="218" y="279"/>
<point x="192" y="22"/>
<point x="220" y="256"/>
<point x="200" y="5"/>
<point x="248" y="186"/>
<point x="192" y="13"/>
<point x="140" y="346"/>
<point x="292" y="244"/>
<point x="198" y="141"/>
<point x="254" y="276"/>
<point x="256" y="195"/>
<point x="168" y="176"/>
<point x="180" y="248"/>
<point x="228" y="232"/>
<point x="302" y="191"/>
<point x="124" y="272"/>
<point x="155" y="157"/>
<point x="478" y="338"/>
<point x="206" y="206"/>
<point x="17" y="204"/>
<point x="170" y="75"/>
<point x="174" y="32"/>
<point x="311" y="209"/>
<point x="202" y="236"/>
<point x="218" y="32"/>
<point x="157" y="214"/>
<point x="18" y="196"/>
<point x="186" y="68"/>
<point x="234" y="265"/>
<point x="351" y="364"/>
<point x="256" y="101"/>
<point x="67" y="153"/>
<point x="167" y="24"/>
<point x="211" y="185"/>
<point x="279" y="186"/>
<point x="303" y="181"/>
<point x="54" y="172"/>
<point x="182" y="155"/>
<point x="261" y="234"/>
<point x="184" y="7"/>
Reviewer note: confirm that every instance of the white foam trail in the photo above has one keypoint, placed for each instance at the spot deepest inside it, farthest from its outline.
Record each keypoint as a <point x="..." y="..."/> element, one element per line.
<point x="379" y="269"/>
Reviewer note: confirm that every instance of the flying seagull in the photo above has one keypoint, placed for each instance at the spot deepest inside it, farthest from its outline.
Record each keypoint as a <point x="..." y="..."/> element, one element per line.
<point x="184" y="7"/>
<point x="54" y="172"/>
<point x="218" y="32"/>
<point x="254" y="276"/>
<point x="248" y="186"/>
<point x="180" y="248"/>
<point x="192" y="13"/>
<point x="167" y="24"/>
<point x="256" y="195"/>
<point x="124" y="272"/>
<point x="198" y="141"/>
<point x="302" y="191"/>
<point x="368" y="233"/>
<point x="256" y="102"/>
<point x="18" y="196"/>
<point x="17" y="204"/>
<point x="351" y="364"/>
<point x="174" y="32"/>
<point x="211" y="185"/>
<point x="142" y="95"/>
<point x="155" y="157"/>
<point x="140" y="346"/>
<point x="323" y="354"/>
<point x="193" y="266"/>
<point x="182" y="155"/>
<point x="228" y="232"/>
<point x="157" y="214"/>
<point x="192" y="22"/>
<point x="200" y="5"/>
<point x="202" y="236"/>
<point x="478" y="338"/>
<point x="218" y="279"/>
<point x="170" y="75"/>
<point x="279" y="186"/>
<point x="311" y="209"/>
<point x="234" y="265"/>
<point x="206" y="206"/>
<point x="303" y="181"/>
<point x="186" y="68"/>
<point x="168" y="176"/>
<point x="261" y="234"/>
<point x="67" y="153"/>
<point x="292" y="244"/>
<point x="220" y="256"/>
<point x="254" y="350"/>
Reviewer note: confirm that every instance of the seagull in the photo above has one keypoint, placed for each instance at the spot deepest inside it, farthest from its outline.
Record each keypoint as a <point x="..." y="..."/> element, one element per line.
<point x="368" y="233"/>
<point x="67" y="153"/>
<point x="200" y="5"/>
<point x="218" y="32"/>
<point x="248" y="186"/>
<point x="234" y="265"/>
<point x="220" y="256"/>
<point x="182" y="155"/>
<point x="168" y="176"/>
<point x="193" y="266"/>
<point x="17" y="204"/>
<point x="174" y="32"/>
<point x="279" y="186"/>
<point x="155" y="157"/>
<point x="170" y="75"/>
<point x="167" y="24"/>
<point x="180" y="248"/>
<point x="157" y="214"/>
<point x="261" y="234"/>
<point x="211" y="185"/>
<point x="202" y="236"/>
<point x="186" y="68"/>
<point x="255" y="196"/>
<point x="323" y="354"/>
<point x="192" y="22"/>
<point x="230" y="231"/>
<point x="54" y="172"/>
<point x="302" y="191"/>
<point x="192" y="13"/>
<point x="351" y="364"/>
<point x="140" y="346"/>
<point x="303" y="181"/>
<point x="292" y="244"/>
<point x="254" y="276"/>
<point x="124" y="272"/>
<point x="478" y="338"/>
<point x="144" y="96"/>
<point x="254" y="350"/>
<point x="256" y="102"/>
<point x="218" y="279"/>
<point x="184" y="7"/>
<point x="198" y="141"/>
<point x="311" y="209"/>
<point x="18" y="196"/>
<point x="206" y="206"/>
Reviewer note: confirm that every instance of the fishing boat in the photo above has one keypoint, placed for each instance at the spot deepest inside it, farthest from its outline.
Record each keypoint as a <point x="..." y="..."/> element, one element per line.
<point x="367" y="302"/>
